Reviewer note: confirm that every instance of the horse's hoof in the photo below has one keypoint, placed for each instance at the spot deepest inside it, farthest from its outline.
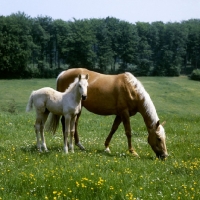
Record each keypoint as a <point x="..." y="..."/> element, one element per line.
<point x="80" y="146"/>
<point x="107" y="150"/>
<point x="134" y="153"/>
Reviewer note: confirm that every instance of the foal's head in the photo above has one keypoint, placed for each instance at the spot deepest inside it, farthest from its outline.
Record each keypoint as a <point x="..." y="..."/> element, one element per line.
<point x="83" y="84"/>
<point x="156" y="139"/>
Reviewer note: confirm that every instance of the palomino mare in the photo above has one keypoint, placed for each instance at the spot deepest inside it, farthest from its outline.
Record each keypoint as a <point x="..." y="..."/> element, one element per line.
<point x="67" y="104"/>
<point x="121" y="95"/>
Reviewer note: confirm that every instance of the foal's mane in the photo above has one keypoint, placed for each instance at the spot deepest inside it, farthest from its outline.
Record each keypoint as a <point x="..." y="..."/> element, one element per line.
<point x="136" y="85"/>
<point x="72" y="85"/>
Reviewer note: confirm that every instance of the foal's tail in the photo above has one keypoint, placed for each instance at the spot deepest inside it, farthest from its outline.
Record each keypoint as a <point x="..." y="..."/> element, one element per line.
<point x="30" y="103"/>
<point x="53" y="123"/>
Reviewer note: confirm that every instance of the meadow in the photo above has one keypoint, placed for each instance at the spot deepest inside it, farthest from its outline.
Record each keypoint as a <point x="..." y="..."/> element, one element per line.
<point x="93" y="174"/>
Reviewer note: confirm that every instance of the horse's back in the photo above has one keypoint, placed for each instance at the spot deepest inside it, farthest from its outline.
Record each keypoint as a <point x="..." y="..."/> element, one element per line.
<point x="46" y="98"/>
<point x="107" y="94"/>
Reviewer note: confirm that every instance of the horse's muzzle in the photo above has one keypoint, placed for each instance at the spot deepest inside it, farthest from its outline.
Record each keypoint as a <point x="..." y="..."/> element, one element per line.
<point x="162" y="156"/>
<point x="84" y="97"/>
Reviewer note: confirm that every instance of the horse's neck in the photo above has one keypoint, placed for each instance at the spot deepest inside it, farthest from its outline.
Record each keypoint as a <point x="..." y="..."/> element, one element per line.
<point x="75" y="94"/>
<point x="148" y="111"/>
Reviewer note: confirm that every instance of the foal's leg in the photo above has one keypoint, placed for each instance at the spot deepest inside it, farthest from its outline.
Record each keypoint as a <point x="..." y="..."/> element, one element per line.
<point x="72" y="129"/>
<point x="115" y="126"/>
<point x="127" y="127"/>
<point x="37" y="130"/>
<point x="44" y="119"/>
<point x="66" y="133"/>
<point x="76" y="137"/>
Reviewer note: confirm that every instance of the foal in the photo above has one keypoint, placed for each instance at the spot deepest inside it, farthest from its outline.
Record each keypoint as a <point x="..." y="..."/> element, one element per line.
<point x="67" y="104"/>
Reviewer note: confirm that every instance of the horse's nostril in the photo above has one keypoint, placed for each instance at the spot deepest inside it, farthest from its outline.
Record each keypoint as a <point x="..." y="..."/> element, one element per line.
<point x="84" y="97"/>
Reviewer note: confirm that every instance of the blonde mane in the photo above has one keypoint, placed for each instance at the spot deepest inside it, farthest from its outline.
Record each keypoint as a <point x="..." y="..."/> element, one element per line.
<point x="148" y="104"/>
<point x="72" y="85"/>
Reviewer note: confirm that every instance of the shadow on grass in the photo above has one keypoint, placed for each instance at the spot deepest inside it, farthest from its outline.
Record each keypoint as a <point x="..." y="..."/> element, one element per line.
<point x="33" y="149"/>
<point x="2" y="149"/>
<point x="52" y="149"/>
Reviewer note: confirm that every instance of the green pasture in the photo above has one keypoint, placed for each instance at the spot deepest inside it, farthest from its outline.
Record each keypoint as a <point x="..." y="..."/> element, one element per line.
<point x="92" y="174"/>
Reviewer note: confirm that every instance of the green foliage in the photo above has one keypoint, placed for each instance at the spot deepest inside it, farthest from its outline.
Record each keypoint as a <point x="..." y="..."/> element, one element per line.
<point x="195" y="75"/>
<point x="37" y="47"/>
<point x="93" y="174"/>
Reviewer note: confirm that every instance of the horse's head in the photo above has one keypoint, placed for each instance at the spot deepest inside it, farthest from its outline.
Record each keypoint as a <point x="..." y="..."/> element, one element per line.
<point x="156" y="139"/>
<point x="83" y="84"/>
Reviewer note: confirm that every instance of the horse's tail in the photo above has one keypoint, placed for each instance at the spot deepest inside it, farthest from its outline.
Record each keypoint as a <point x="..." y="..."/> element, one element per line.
<point x="53" y="123"/>
<point x="30" y="103"/>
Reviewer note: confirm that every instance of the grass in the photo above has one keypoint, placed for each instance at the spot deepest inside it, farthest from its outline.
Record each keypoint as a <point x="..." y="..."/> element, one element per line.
<point x="92" y="174"/>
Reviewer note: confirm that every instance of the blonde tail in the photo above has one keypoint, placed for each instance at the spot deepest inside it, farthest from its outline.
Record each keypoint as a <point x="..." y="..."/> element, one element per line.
<point x="53" y="123"/>
<point x="30" y="103"/>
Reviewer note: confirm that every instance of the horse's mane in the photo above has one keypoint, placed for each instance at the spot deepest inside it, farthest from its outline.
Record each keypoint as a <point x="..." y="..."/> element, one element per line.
<point x="139" y="88"/>
<point x="72" y="85"/>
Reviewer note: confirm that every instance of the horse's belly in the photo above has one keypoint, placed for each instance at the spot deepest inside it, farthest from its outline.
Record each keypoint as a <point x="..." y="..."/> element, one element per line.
<point x="100" y="108"/>
<point x="55" y="108"/>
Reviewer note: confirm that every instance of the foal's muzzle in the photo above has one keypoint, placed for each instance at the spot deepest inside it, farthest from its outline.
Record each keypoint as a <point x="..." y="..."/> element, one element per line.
<point x="84" y="97"/>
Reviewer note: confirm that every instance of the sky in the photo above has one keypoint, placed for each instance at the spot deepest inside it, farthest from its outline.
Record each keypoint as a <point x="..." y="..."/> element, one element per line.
<point x="128" y="10"/>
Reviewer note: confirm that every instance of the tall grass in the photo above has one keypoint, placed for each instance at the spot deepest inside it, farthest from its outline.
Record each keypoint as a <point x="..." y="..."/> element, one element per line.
<point x="92" y="174"/>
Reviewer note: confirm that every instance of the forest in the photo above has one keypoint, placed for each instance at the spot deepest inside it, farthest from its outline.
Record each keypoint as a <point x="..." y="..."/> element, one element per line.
<point x="41" y="47"/>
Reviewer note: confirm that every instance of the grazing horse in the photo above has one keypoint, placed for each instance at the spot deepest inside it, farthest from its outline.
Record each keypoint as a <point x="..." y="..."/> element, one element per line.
<point x="67" y="104"/>
<point x="121" y="95"/>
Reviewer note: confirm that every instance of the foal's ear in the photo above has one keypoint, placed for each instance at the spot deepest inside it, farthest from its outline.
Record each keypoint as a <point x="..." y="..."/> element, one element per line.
<point x="79" y="77"/>
<point x="86" y="76"/>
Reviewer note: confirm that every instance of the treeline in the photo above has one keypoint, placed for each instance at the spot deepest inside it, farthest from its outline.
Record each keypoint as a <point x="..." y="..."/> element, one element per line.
<point x="42" y="47"/>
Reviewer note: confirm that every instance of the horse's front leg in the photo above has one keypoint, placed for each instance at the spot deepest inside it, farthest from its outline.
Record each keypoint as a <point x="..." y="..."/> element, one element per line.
<point x="76" y="137"/>
<point x="126" y="122"/>
<point x="115" y="126"/>
<point x="66" y="132"/>
<point x="72" y="130"/>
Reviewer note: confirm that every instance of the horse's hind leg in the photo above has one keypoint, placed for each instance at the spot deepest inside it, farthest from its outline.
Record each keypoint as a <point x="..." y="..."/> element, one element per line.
<point x="76" y="137"/>
<point x="37" y="131"/>
<point x="115" y="126"/>
<point x="44" y="119"/>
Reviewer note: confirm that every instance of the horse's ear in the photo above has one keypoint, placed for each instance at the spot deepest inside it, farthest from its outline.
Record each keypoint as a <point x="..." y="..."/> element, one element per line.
<point x="86" y="76"/>
<point x="79" y="77"/>
<point x="157" y="124"/>
<point x="163" y="123"/>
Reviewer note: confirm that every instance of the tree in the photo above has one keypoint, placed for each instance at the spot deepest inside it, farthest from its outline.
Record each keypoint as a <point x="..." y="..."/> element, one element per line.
<point x="16" y="44"/>
<point x="144" y="61"/>
<point x="79" y="44"/>
<point x="193" y="42"/>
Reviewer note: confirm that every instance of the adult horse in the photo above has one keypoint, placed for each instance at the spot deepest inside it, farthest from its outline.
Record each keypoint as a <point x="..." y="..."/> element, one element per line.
<point x="121" y="95"/>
